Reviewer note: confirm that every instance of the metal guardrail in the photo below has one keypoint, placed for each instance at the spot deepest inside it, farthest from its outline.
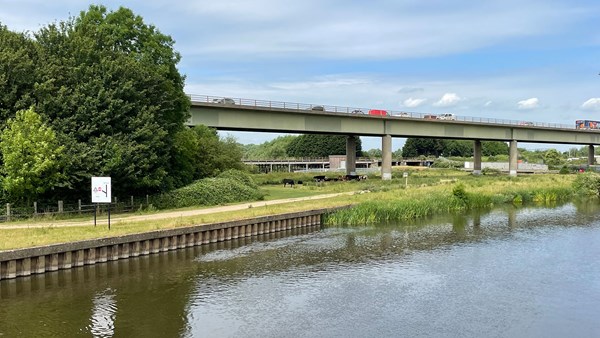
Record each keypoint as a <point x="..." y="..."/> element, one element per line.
<point x="358" y="110"/>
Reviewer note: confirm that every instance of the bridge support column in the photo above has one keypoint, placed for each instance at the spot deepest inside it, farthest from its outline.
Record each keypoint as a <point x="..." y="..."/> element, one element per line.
<point x="386" y="154"/>
<point x="477" y="157"/>
<point x="591" y="158"/>
<point x="512" y="158"/>
<point x="350" y="155"/>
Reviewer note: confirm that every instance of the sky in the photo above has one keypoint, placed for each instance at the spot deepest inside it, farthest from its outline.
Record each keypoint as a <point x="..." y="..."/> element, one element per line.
<point x="526" y="60"/>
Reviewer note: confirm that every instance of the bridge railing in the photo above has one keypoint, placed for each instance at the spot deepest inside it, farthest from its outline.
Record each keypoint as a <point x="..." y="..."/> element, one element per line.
<point x="358" y="110"/>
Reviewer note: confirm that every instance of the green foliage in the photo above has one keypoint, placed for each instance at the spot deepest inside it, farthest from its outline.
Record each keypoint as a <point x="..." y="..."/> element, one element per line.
<point x="460" y="193"/>
<point x="553" y="158"/>
<point x="31" y="156"/>
<point x="209" y="191"/>
<point x="109" y="86"/>
<point x="564" y="170"/>
<point x="445" y="163"/>
<point x="490" y="171"/>
<point x="414" y="147"/>
<point x="315" y="145"/>
<point x="18" y="58"/>
<point x="587" y="184"/>
<point x="240" y="176"/>
<point x="274" y="149"/>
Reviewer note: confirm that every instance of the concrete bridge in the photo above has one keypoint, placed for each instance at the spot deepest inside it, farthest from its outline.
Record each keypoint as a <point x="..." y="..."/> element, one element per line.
<point x="272" y="116"/>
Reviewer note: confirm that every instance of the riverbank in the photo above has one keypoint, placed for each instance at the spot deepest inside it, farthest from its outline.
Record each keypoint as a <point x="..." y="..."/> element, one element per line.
<point x="421" y="187"/>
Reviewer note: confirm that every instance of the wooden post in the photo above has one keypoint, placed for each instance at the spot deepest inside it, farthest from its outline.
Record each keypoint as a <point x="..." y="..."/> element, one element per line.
<point x="35" y="208"/>
<point x="8" y="212"/>
<point x="60" y="207"/>
<point x="79" y="205"/>
<point x="132" y="201"/>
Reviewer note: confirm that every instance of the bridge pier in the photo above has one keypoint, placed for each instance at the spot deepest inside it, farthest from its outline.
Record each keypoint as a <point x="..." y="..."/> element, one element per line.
<point x="350" y="155"/>
<point x="386" y="160"/>
<point x="512" y="158"/>
<point x="591" y="158"/>
<point x="477" y="157"/>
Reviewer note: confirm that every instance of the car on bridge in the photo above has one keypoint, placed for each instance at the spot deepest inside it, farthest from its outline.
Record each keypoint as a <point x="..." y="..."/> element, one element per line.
<point x="401" y="114"/>
<point x="430" y="117"/>
<point x="357" y="111"/>
<point x="526" y="123"/>
<point x="317" y="108"/>
<point x="447" y="116"/>
<point x="225" y="100"/>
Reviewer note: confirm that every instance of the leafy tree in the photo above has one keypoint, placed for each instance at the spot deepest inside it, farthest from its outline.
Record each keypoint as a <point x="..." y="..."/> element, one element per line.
<point x="317" y="145"/>
<point x="110" y="88"/>
<point x="274" y="149"/>
<point x="216" y="155"/>
<point x="552" y="157"/>
<point x="493" y="148"/>
<point x="18" y="59"/>
<point x="31" y="157"/>
<point x="414" y="147"/>
<point x="374" y="153"/>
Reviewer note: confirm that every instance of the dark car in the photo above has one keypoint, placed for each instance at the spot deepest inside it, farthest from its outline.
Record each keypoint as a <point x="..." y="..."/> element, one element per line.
<point x="317" y="108"/>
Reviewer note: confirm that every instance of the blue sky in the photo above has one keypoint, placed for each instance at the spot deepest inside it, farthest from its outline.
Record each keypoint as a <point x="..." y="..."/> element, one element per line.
<point x="526" y="60"/>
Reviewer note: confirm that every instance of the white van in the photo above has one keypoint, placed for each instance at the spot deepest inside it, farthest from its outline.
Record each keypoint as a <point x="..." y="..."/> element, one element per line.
<point x="447" y="116"/>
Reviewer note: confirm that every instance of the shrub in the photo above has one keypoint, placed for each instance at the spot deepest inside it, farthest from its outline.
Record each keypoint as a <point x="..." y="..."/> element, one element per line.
<point x="240" y="176"/>
<point x="209" y="191"/>
<point x="490" y="171"/>
<point x="564" y="170"/>
<point x="587" y="184"/>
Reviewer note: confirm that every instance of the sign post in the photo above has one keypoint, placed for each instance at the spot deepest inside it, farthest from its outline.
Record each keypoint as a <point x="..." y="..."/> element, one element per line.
<point x="101" y="193"/>
<point x="405" y="175"/>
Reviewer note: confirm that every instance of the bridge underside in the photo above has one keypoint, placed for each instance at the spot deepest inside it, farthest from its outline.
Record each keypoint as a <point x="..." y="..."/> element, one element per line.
<point x="261" y="119"/>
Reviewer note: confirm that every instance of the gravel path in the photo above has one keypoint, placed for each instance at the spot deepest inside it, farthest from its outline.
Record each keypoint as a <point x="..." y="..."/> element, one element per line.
<point x="166" y="215"/>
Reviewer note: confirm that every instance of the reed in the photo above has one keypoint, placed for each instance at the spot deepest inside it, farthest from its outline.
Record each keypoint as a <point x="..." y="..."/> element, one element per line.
<point x="465" y="195"/>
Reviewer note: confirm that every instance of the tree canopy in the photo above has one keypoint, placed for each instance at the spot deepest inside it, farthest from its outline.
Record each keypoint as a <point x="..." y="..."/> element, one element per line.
<point x="317" y="145"/>
<point x="414" y="147"/>
<point x="32" y="157"/>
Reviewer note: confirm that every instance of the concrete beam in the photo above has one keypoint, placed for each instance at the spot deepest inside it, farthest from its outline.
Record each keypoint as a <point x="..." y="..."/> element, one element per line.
<point x="350" y="155"/>
<point x="386" y="153"/>
<point x="477" y="157"/>
<point x="512" y="158"/>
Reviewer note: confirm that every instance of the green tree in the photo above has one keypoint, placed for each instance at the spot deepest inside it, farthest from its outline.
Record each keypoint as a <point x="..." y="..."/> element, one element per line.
<point x="553" y="158"/>
<point x="493" y="148"/>
<point x="317" y="145"/>
<point x="414" y="147"/>
<point x="274" y="149"/>
<point x="18" y="58"/>
<point x="111" y="90"/>
<point x="31" y="157"/>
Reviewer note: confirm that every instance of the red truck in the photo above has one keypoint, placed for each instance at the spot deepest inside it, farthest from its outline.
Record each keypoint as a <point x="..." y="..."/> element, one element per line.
<point x="379" y="112"/>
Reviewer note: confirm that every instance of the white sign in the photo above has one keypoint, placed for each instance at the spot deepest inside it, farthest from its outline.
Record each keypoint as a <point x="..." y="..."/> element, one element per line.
<point x="101" y="192"/>
<point x="405" y="175"/>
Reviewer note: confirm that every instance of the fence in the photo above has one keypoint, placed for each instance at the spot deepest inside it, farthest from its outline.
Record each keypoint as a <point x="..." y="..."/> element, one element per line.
<point x="12" y="212"/>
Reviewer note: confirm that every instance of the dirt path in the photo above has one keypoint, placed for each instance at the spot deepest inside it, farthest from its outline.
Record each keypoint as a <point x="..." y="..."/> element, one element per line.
<point x="172" y="214"/>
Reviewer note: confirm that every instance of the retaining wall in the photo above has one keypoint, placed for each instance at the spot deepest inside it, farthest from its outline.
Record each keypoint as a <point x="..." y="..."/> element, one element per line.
<point x="25" y="262"/>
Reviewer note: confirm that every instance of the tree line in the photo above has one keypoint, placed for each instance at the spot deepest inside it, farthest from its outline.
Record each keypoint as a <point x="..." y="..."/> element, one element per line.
<point x="98" y="94"/>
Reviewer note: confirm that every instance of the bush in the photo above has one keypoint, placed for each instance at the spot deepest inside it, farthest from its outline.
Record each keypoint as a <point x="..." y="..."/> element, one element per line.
<point x="587" y="184"/>
<point x="240" y="176"/>
<point x="490" y="171"/>
<point x="564" y="170"/>
<point x="209" y="191"/>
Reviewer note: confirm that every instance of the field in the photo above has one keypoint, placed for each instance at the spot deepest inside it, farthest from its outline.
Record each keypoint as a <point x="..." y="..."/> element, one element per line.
<point x="424" y="192"/>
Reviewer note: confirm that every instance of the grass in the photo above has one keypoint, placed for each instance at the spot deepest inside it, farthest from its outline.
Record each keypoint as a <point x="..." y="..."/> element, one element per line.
<point x="428" y="192"/>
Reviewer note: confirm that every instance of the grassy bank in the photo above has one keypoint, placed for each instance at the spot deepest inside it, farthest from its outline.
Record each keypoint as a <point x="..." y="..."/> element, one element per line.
<point x="465" y="194"/>
<point x="427" y="193"/>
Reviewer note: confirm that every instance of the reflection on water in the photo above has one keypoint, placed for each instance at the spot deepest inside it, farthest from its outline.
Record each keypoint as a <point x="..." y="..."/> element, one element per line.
<point x="103" y="314"/>
<point x="507" y="273"/>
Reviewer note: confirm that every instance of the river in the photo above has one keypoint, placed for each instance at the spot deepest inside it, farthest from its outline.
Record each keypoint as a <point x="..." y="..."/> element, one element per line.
<point x="515" y="272"/>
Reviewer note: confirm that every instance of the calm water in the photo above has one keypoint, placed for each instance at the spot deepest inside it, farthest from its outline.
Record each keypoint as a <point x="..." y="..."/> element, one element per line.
<point x="530" y="272"/>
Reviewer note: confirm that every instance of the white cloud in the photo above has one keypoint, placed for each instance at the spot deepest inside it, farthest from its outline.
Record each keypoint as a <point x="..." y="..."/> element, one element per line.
<point x="531" y="103"/>
<point x="448" y="100"/>
<point x="592" y="104"/>
<point x="412" y="103"/>
<point x="487" y="104"/>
